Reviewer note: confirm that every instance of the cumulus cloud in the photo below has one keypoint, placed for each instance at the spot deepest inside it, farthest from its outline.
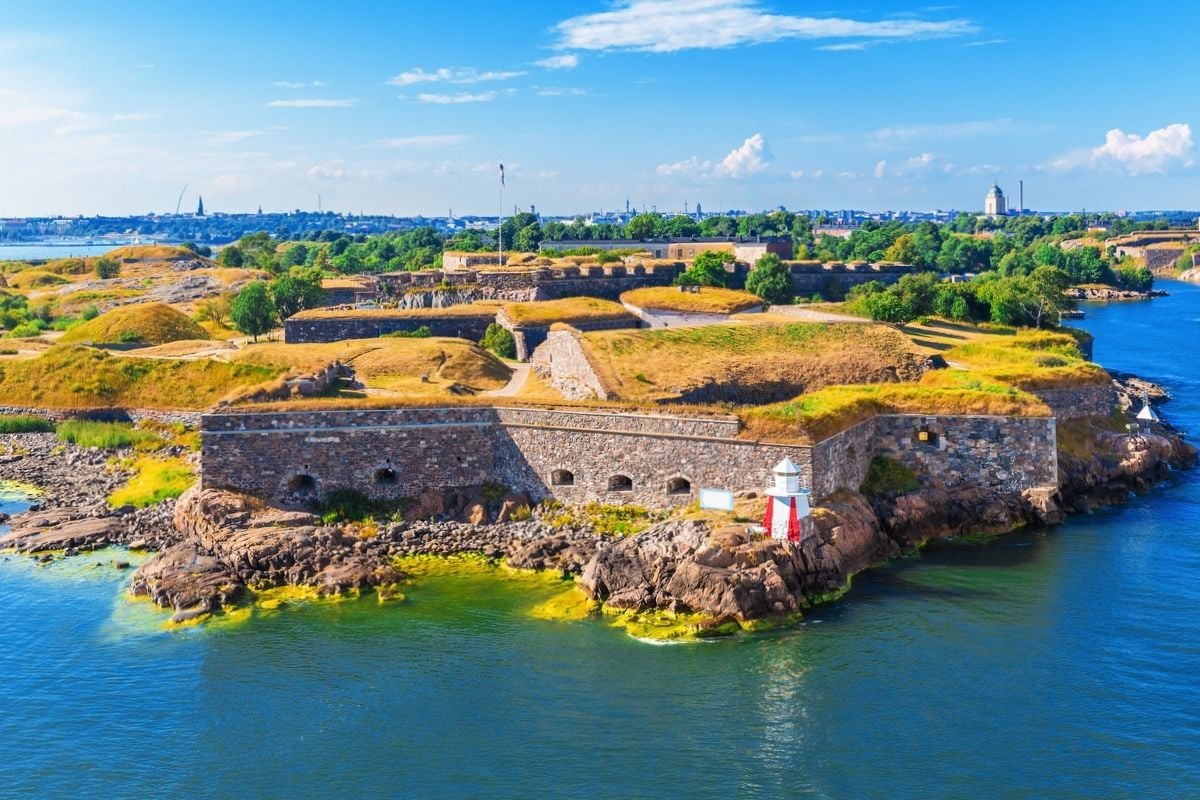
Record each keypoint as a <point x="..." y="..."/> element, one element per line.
<point x="751" y="157"/>
<point x="431" y="140"/>
<point x="566" y="61"/>
<point x="451" y="75"/>
<point x="1154" y="152"/>
<point x="664" y="26"/>
<point x="316" y="102"/>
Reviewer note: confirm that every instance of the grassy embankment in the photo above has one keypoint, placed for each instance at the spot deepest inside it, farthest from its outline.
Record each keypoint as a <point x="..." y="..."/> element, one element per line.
<point x="991" y="376"/>
<point x="748" y="363"/>
<point x="709" y="300"/>
<point x="568" y="310"/>
<point x="148" y="323"/>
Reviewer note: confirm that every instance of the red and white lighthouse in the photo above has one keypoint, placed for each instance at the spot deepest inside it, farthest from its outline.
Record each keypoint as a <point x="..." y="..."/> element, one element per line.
<point x="787" y="513"/>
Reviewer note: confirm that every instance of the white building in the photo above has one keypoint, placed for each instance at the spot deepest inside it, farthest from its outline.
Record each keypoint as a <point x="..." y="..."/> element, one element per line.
<point x="787" y="515"/>
<point x="994" y="204"/>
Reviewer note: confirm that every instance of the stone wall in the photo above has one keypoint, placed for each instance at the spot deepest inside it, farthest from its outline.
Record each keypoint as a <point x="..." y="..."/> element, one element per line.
<point x="834" y="279"/>
<point x="562" y="362"/>
<point x="1079" y="401"/>
<point x="529" y="337"/>
<point x="369" y="325"/>
<point x="581" y="456"/>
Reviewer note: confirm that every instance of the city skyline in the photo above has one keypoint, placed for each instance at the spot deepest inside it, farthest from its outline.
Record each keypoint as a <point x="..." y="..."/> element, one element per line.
<point x="727" y="103"/>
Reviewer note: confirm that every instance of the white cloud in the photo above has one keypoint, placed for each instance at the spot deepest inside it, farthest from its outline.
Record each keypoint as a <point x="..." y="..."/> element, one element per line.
<point x="986" y="43"/>
<point x="947" y="130"/>
<point x="461" y="97"/>
<point x="565" y="61"/>
<point x="843" y="47"/>
<point x="751" y="157"/>
<point x="431" y="140"/>
<point x="448" y="75"/>
<point x="231" y="137"/>
<point x="311" y="103"/>
<point x="914" y="167"/>
<point x="547" y="174"/>
<point x="1154" y="152"/>
<point x="664" y="26"/>
<point x="880" y="169"/>
<point x="573" y="91"/>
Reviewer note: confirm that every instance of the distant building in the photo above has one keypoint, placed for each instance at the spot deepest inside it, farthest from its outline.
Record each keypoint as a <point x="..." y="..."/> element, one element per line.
<point x="747" y="250"/>
<point x="200" y="208"/>
<point x="994" y="204"/>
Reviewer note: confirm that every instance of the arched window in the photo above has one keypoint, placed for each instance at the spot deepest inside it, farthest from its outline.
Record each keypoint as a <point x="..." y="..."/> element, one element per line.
<point x="679" y="486"/>
<point x="385" y="475"/>
<point x="620" y="483"/>
<point x="562" y="477"/>
<point x="302" y="483"/>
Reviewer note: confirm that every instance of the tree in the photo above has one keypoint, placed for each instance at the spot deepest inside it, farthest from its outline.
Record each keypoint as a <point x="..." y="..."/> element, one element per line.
<point x="643" y="226"/>
<point x="903" y="250"/>
<point x="293" y="293"/>
<point x="681" y="226"/>
<point x="107" y="268"/>
<point x="771" y="281"/>
<point x="708" y="269"/>
<point x="252" y="311"/>
<point x="231" y="256"/>
<point x="499" y="340"/>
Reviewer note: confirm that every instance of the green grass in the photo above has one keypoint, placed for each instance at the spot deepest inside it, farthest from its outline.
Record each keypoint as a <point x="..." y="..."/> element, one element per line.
<point x="151" y="323"/>
<point x="605" y="519"/>
<point x="105" y="435"/>
<point x="886" y="476"/>
<point x="155" y="479"/>
<point x="24" y="423"/>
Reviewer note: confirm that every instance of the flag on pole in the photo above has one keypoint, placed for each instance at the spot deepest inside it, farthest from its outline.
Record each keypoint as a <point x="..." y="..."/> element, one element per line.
<point x="501" y="174"/>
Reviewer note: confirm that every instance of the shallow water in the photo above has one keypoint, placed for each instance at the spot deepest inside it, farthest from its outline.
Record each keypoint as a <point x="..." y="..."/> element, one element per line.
<point x="1059" y="663"/>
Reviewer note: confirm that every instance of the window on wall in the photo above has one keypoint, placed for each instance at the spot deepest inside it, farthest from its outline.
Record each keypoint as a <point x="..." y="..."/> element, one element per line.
<point x="562" y="477"/>
<point x="385" y="475"/>
<point x="927" y="437"/>
<point x="679" y="486"/>
<point x="620" y="483"/>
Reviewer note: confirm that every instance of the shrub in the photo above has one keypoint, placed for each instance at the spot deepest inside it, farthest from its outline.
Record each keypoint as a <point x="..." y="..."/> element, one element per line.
<point x="154" y="480"/>
<point x="499" y="340"/>
<point x="107" y="268"/>
<point x="771" y="281"/>
<point x="24" y="423"/>
<point x="103" y="435"/>
<point x="90" y="313"/>
<point x="886" y="476"/>
<point x="420" y="332"/>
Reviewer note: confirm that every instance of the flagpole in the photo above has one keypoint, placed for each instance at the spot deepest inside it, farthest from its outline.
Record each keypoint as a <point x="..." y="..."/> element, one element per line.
<point x="500" y="223"/>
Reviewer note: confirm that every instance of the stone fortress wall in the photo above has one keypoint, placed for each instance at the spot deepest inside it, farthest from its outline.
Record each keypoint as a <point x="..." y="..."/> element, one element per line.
<point x="577" y="456"/>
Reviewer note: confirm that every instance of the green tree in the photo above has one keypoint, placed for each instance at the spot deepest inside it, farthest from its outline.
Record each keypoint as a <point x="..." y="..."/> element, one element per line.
<point x="293" y="293"/>
<point x="643" y="226"/>
<point x="499" y="340"/>
<point x="903" y="250"/>
<point x="771" y="281"/>
<point x="708" y="269"/>
<point x="252" y="311"/>
<point x="231" y="256"/>
<point x="681" y="226"/>
<point x="107" y="268"/>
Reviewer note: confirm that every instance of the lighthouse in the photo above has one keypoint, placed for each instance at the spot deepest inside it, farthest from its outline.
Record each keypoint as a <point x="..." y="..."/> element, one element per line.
<point x="787" y="512"/>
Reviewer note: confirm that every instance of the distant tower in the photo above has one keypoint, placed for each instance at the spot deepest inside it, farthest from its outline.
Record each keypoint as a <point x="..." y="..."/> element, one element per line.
<point x="993" y="203"/>
<point x="260" y="211"/>
<point x="787" y="512"/>
<point x="1021" y="199"/>
<point x="699" y="211"/>
<point x="200" y="207"/>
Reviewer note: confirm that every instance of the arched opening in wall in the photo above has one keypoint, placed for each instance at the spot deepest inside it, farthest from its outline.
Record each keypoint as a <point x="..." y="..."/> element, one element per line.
<point x="679" y="486"/>
<point x="562" y="477"/>
<point x="620" y="483"/>
<point x="385" y="475"/>
<point x="302" y="483"/>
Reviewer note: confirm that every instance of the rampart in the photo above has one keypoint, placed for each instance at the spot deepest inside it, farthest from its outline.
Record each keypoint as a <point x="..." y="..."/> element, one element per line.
<point x="1072" y="402"/>
<point x="331" y="326"/>
<point x="578" y="455"/>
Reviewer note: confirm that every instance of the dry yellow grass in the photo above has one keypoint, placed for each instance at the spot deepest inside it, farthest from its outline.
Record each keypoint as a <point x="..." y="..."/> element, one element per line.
<point x="394" y="365"/>
<point x="36" y="279"/>
<point x="709" y="300"/>
<point x="568" y="310"/>
<point x="151" y="323"/>
<point x="747" y="363"/>
<point x="152" y="252"/>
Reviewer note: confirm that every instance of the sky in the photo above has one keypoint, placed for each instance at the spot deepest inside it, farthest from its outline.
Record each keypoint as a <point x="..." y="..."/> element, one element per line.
<point x="409" y="108"/>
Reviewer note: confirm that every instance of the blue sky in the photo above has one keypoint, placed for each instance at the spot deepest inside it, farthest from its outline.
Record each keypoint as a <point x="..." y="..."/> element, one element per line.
<point x="407" y="107"/>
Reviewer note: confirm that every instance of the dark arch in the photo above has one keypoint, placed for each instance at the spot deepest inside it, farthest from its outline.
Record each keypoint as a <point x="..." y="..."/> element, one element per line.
<point x="620" y="483"/>
<point x="302" y="483"/>
<point x="385" y="475"/>
<point x="562" y="477"/>
<point x="679" y="485"/>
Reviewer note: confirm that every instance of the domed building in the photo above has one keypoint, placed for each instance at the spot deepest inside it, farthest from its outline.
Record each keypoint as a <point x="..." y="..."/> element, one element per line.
<point x="994" y="204"/>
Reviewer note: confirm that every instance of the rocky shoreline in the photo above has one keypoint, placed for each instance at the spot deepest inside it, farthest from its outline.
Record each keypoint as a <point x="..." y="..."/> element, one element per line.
<point x="1098" y="293"/>
<point x="214" y="548"/>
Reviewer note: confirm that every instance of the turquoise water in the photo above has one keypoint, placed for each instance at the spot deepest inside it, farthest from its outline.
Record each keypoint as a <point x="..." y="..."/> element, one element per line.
<point x="1061" y="663"/>
<point x="23" y="252"/>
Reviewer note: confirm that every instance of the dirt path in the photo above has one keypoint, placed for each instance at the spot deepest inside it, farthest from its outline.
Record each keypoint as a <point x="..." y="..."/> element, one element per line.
<point x="515" y="383"/>
<point x="809" y="315"/>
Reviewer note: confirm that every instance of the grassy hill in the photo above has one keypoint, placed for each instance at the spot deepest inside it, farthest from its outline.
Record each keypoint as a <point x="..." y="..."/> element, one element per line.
<point x="709" y="300"/>
<point x="752" y="363"/>
<point x="567" y="310"/>
<point x="151" y="323"/>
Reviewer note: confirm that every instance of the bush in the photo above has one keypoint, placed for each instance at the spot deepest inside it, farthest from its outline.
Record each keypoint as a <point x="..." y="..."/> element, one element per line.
<point x="420" y="332"/>
<point x="771" y="281"/>
<point x="499" y="340"/>
<point x="154" y="480"/>
<point x="103" y="435"/>
<point x="887" y="476"/>
<point x="107" y="268"/>
<point x="24" y="423"/>
<point x="90" y="313"/>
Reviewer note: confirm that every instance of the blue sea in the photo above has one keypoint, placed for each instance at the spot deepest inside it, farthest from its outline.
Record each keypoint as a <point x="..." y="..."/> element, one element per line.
<point x="1052" y="663"/>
